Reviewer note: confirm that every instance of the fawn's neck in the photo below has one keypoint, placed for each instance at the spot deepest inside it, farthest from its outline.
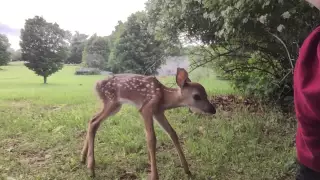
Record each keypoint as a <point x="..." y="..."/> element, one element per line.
<point x="171" y="98"/>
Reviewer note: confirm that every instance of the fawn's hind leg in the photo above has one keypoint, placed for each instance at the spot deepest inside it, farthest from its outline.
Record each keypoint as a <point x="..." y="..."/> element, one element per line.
<point x="88" y="148"/>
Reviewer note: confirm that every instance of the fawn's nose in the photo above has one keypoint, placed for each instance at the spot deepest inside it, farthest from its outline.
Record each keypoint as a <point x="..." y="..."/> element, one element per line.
<point x="212" y="109"/>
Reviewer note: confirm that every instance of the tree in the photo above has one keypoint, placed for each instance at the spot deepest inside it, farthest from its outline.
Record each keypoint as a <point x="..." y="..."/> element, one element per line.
<point x="253" y="43"/>
<point x="43" y="46"/>
<point x="77" y="46"/>
<point x="137" y="50"/>
<point x="96" y="52"/>
<point x="16" y="55"/>
<point x="114" y="39"/>
<point x="4" y="50"/>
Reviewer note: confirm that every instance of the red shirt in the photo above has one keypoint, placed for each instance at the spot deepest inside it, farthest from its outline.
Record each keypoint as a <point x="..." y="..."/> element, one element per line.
<point x="307" y="101"/>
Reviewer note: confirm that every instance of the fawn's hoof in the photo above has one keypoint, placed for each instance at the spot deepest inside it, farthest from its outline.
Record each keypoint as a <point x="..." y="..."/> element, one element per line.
<point x="189" y="173"/>
<point x="148" y="168"/>
<point x="83" y="161"/>
<point x="83" y="158"/>
<point x="92" y="174"/>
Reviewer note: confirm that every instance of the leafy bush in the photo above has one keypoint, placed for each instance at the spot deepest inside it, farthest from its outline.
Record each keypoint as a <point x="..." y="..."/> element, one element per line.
<point x="253" y="43"/>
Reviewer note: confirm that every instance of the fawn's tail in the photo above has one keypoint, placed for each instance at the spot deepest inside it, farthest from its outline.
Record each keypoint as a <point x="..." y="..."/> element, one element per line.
<point x="99" y="90"/>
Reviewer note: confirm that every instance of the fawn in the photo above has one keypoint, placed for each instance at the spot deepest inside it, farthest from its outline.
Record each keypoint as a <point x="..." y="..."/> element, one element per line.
<point x="151" y="98"/>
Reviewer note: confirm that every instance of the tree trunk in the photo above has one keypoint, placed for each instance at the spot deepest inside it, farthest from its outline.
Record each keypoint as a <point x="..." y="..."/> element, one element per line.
<point x="44" y="79"/>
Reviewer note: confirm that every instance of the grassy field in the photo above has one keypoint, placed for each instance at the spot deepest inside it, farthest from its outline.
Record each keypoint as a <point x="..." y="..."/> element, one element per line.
<point x="42" y="128"/>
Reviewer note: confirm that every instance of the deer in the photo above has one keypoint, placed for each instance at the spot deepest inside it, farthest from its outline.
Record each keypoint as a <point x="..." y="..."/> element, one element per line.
<point x="152" y="99"/>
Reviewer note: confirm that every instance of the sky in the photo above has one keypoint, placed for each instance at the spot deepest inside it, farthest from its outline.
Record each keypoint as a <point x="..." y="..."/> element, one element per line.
<point x="88" y="17"/>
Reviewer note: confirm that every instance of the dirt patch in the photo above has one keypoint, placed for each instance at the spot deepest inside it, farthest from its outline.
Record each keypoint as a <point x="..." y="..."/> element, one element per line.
<point x="56" y="107"/>
<point x="164" y="147"/>
<point x="225" y="104"/>
<point x="23" y="104"/>
<point x="230" y="102"/>
<point x="35" y="159"/>
<point x="81" y="134"/>
<point x="10" y="144"/>
<point x="16" y="104"/>
<point x="128" y="176"/>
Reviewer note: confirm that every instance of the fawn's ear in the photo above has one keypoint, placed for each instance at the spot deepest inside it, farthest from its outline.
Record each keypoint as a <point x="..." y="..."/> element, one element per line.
<point x="182" y="77"/>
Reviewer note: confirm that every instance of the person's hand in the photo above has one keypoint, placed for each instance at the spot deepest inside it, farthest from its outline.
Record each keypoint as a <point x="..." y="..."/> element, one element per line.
<point x="316" y="3"/>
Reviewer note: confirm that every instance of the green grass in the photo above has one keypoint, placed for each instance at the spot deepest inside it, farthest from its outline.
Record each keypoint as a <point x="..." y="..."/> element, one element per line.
<point x="42" y="129"/>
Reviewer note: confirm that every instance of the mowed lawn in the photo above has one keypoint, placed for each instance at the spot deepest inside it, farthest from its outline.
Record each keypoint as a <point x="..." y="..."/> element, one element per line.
<point x="42" y="129"/>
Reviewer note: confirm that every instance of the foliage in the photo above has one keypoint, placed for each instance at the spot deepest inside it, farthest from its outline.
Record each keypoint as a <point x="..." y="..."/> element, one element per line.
<point x="131" y="48"/>
<point x="114" y="39"/>
<point x="96" y="52"/>
<point x="43" y="46"/>
<point x="4" y="47"/>
<point x="254" y="43"/>
<point x="136" y="50"/>
<point x="16" y="55"/>
<point x="76" y="48"/>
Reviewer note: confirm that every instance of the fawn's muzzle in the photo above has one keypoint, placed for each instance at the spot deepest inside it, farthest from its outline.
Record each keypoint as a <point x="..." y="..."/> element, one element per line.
<point x="212" y="109"/>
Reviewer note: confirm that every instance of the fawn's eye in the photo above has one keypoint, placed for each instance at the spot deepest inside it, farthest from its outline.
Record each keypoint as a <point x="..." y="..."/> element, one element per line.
<point x="196" y="97"/>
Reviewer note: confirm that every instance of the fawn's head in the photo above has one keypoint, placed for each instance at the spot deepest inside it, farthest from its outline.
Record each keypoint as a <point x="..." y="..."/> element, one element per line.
<point x="193" y="94"/>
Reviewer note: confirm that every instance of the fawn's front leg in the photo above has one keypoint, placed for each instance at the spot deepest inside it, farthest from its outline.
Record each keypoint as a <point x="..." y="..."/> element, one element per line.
<point x="151" y="142"/>
<point x="161" y="118"/>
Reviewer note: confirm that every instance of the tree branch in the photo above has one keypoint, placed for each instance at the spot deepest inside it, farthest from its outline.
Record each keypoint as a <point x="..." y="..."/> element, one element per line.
<point x="211" y="59"/>
<point x="284" y="45"/>
<point x="248" y="67"/>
